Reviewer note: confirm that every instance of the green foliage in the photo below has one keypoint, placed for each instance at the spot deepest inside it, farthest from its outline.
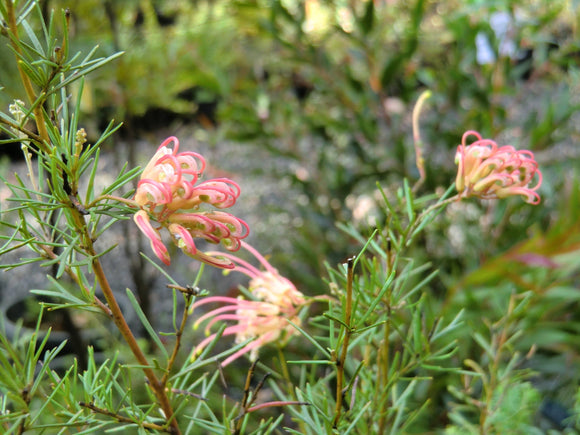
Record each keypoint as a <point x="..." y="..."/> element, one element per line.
<point x="26" y="376"/>
<point x="452" y="317"/>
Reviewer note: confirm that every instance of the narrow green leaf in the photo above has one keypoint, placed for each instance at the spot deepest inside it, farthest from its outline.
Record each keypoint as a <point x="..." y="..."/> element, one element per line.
<point x="84" y="69"/>
<point x="45" y="366"/>
<point x="368" y="19"/>
<point x="146" y="324"/>
<point x="35" y="42"/>
<point x="25" y="10"/>
<point x="160" y="269"/>
<point x="455" y="323"/>
<point x="336" y="319"/>
<point x="359" y="414"/>
<point x="419" y="339"/>
<point x="484" y="344"/>
<point x="409" y="201"/>
<point x="32" y="73"/>
<point x="392" y="217"/>
<point x="378" y="299"/>
<point x="61" y="292"/>
<point x="400" y="404"/>
<point x="311" y="339"/>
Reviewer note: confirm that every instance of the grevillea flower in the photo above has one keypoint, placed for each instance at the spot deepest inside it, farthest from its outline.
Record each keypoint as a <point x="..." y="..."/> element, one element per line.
<point x="488" y="171"/>
<point x="263" y="320"/>
<point x="168" y="195"/>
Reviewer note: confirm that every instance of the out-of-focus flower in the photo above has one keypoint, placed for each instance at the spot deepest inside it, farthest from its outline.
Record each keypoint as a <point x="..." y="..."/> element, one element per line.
<point x="268" y="285"/>
<point x="263" y="320"/>
<point x="488" y="171"/>
<point x="169" y="195"/>
<point x="16" y="109"/>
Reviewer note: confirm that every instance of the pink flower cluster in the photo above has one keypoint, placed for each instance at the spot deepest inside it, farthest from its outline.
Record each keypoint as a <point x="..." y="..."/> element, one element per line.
<point x="169" y="196"/>
<point x="263" y="320"/>
<point x="488" y="171"/>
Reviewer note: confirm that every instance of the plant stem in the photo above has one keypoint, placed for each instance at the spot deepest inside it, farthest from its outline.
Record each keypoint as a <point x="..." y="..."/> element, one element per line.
<point x="18" y="127"/>
<point x="125" y="330"/>
<point x="289" y="384"/>
<point x="178" y="335"/>
<point x="498" y="343"/>
<point x="410" y="230"/>
<point x="121" y="323"/>
<point x="43" y="144"/>
<point x="383" y="367"/>
<point x="121" y="418"/>
<point x="346" y="340"/>
<point x="129" y="202"/>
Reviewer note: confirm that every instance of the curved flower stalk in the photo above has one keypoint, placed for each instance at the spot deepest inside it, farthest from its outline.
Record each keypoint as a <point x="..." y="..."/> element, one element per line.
<point x="488" y="171"/>
<point x="263" y="320"/>
<point x="169" y="197"/>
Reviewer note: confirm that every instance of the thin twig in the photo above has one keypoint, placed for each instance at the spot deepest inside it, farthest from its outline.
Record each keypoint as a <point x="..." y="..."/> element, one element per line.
<point x="178" y="335"/>
<point x="125" y="330"/>
<point x="44" y="141"/>
<point x="246" y="398"/>
<point x="250" y="397"/>
<point x="126" y="201"/>
<point x="29" y="134"/>
<point x="346" y="341"/>
<point x="121" y="418"/>
<point x="121" y="323"/>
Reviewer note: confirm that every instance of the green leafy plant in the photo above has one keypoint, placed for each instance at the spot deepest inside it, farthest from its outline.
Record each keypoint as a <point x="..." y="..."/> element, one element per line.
<point x="453" y="306"/>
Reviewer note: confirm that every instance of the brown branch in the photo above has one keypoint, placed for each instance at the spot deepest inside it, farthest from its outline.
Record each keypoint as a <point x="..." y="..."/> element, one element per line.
<point x="26" y="82"/>
<point x="121" y="418"/>
<point x="247" y="394"/>
<point x="31" y="135"/>
<point x="125" y="330"/>
<point x="121" y="323"/>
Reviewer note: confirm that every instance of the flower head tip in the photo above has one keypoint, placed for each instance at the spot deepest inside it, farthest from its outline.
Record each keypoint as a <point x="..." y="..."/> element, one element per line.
<point x="488" y="171"/>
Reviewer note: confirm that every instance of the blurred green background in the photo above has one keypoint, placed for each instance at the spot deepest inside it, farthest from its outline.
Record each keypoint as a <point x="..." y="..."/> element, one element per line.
<point x="318" y="95"/>
<point x="307" y="104"/>
<point x="314" y="99"/>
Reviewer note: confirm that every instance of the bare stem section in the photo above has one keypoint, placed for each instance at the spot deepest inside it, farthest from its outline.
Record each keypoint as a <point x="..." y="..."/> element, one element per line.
<point x="347" y="327"/>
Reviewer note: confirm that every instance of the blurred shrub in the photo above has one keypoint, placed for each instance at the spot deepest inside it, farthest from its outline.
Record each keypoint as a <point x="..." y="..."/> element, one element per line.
<point x="323" y="91"/>
<point x="319" y="95"/>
